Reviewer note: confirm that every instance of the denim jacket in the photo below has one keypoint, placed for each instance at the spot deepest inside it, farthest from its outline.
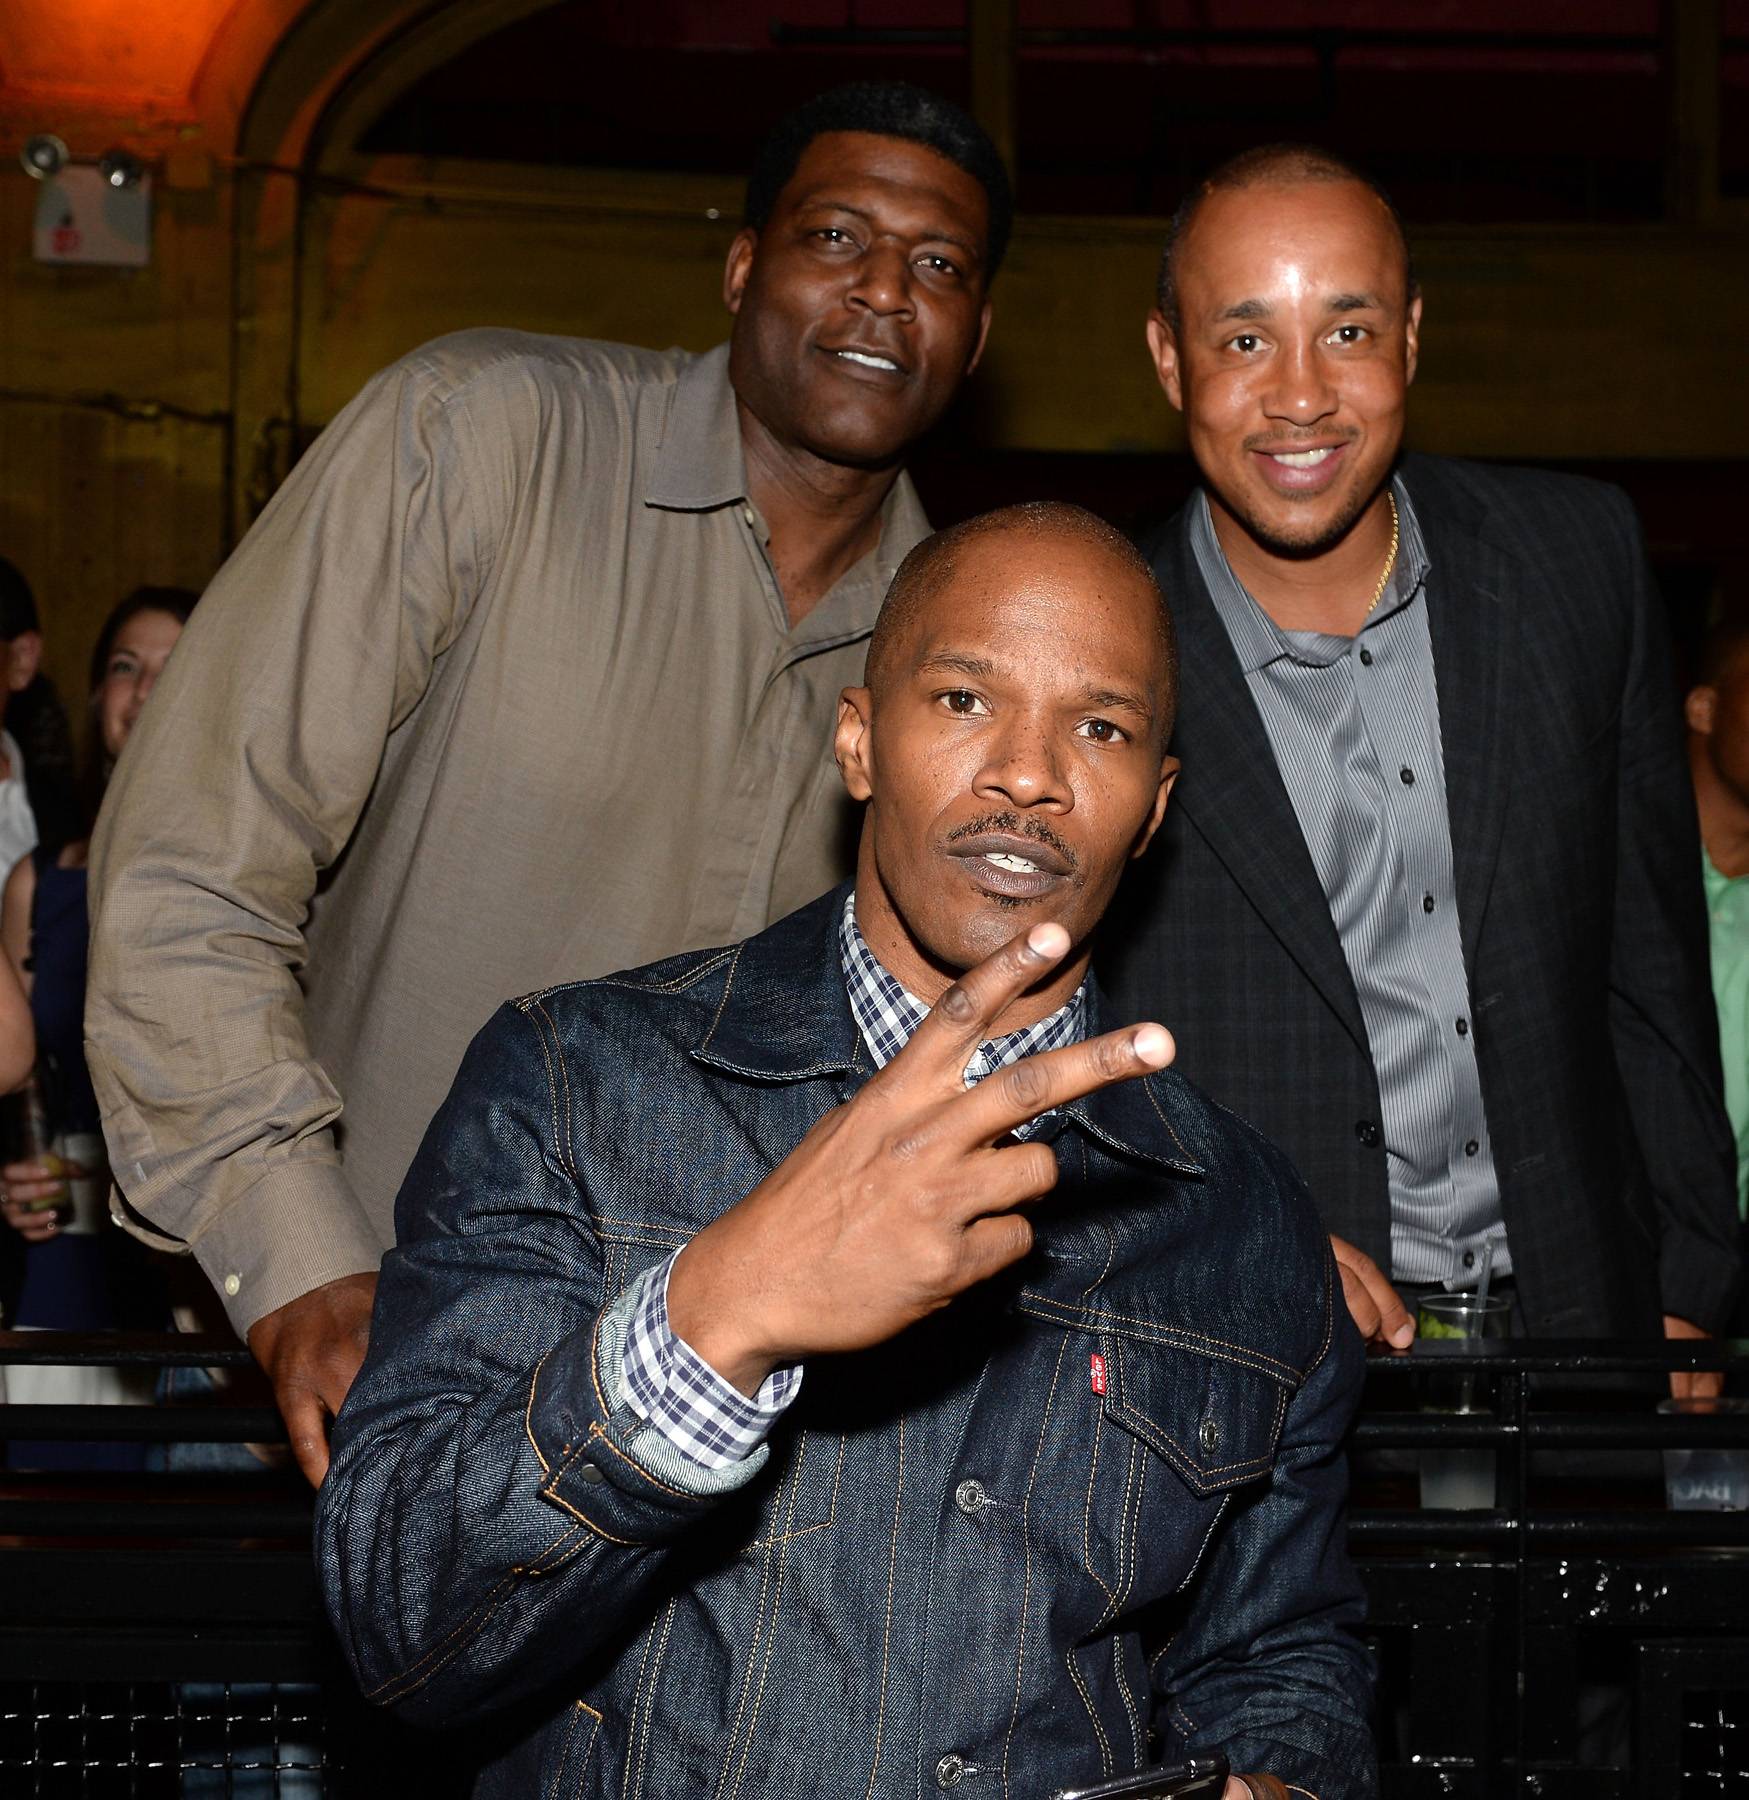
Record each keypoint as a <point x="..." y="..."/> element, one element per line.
<point x="1087" y="1517"/>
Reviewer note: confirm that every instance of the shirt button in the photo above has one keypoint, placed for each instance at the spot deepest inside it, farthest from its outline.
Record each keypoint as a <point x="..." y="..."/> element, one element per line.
<point x="233" y="1285"/>
<point x="591" y="1474"/>
<point x="747" y="514"/>
<point x="1427" y="903"/>
<point x="1209" y="1436"/>
<point x="1407" y="777"/>
<point x="1463" y="1028"/>
<point x="1469" y="1259"/>
<point x="1366" y="659"/>
<point x="950" y="1771"/>
<point x="970" y="1498"/>
<point x="1367" y="1132"/>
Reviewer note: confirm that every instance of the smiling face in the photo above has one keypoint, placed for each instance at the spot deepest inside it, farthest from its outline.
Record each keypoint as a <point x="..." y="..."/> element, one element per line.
<point x="136" y="659"/>
<point x="1293" y="355"/>
<point x="859" y="305"/>
<point x="1012" y="751"/>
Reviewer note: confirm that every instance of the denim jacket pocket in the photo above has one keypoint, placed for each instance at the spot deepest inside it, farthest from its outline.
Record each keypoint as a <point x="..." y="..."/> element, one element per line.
<point x="800" y="1492"/>
<point x="1215" y="1420"/>
<point x="574" y="1737"/>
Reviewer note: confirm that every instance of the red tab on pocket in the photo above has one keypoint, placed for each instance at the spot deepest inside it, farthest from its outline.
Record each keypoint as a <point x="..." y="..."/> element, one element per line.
<point x="1098" y="1373"/>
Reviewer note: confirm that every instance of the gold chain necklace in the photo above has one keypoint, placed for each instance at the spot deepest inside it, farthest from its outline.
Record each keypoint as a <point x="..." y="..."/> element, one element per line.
<point x="1378" y="593"/>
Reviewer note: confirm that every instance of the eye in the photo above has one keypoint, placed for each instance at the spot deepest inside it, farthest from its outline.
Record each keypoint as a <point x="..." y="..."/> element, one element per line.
<point x="834" y="237"/>
<point x="1103" y="731"/>
<point x="938" y="264"/>
<point x="1246" y="343"/>
<point x="1350" y="334"/>
<point x="964" y="702"/>
<point x="122" y="665"/>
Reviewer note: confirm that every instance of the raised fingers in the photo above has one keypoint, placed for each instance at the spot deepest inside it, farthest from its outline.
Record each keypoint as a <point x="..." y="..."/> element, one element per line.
<point x="1036" y="1084"/>
<point x="962" y="1018"/>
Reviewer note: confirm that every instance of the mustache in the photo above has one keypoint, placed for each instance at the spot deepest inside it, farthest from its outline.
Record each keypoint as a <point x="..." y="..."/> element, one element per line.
<point x="1016" y="826"/>
<point x="1293" y="440"/>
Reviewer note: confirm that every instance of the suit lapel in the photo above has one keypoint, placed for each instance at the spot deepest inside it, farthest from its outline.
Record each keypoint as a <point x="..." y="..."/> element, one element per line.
<point x="1231" y="792"/>
<point x="1474" y="628"/>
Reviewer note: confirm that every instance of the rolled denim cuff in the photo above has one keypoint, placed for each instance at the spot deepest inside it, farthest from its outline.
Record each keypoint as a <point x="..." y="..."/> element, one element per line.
<point x="600" y="1461"/>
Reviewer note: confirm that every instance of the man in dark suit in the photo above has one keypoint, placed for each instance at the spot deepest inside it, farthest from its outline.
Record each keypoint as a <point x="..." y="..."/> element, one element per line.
<point x="1426" y="911"/>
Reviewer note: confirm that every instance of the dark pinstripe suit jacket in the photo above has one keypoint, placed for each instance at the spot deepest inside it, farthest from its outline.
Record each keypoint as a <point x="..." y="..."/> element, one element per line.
<point x="1579" y="896"/>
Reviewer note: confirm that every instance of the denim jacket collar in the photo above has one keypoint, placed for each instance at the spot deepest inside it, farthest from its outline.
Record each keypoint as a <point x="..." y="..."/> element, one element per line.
<point x="785" y="1017"/>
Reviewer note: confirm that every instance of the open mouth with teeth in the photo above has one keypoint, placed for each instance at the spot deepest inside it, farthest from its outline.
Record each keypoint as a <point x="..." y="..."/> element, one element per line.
<point x="1300" y="471"/>
<point x="1001" y="859"/>
<point x="869" y="359"/>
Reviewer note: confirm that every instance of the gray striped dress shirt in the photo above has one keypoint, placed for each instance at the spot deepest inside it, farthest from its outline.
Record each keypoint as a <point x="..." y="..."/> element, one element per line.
<point x="1354" y="724"/>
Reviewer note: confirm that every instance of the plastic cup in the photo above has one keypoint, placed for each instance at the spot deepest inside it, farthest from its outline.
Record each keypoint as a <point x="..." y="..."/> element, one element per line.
<point x="1463" y="1480"/>
<point x="1714" y="1479"/>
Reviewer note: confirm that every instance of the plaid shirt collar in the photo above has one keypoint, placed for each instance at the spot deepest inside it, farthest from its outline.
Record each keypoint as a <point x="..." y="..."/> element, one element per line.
<point x="887" y="1015"/>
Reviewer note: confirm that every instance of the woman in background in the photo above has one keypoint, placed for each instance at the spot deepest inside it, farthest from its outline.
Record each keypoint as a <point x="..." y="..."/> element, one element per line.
<point x="79" y="1272"/>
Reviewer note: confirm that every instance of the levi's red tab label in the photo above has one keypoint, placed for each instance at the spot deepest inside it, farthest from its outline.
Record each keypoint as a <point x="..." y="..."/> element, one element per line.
<point x="1098" y="1373"/>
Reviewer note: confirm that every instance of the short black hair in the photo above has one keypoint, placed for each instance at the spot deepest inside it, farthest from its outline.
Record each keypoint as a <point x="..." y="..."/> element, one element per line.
<point x="1726" y="639"/>
<point x="893" y="109"/>
<point x="1269" y="165"/>
<point x="18" y="612"/>
<point x="931" y="564"/>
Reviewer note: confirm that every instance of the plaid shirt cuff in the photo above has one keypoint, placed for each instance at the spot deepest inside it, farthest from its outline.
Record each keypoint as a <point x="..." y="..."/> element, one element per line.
<point x="671" y="1386"/>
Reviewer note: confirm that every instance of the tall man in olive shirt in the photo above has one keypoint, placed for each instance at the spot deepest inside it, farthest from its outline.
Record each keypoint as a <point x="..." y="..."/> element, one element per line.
<point x="527" y="673"/>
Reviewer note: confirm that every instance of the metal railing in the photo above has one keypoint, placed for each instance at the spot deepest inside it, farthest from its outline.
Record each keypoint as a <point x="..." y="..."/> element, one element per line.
<point x="1577" y="1637"/>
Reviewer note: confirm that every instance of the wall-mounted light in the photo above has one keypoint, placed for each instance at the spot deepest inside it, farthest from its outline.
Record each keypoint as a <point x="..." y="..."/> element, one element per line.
<point x="120" y="168"/>
<point x="44" y="155"/>
<point x="90" y="209"/>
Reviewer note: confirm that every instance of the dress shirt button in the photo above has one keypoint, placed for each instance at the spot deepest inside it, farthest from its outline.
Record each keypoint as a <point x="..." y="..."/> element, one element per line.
<point x="1471" y="1147"/>
<point x="971" y="1499"/>
<point x="1367" y="1132"/>
<point x="1366" y="659"/>
<point x="591" y="1474"/>
<point x="1209" y="1436"/>
<point x="1463" y="1028"/>
<point x="1407" y="777"/>
<point x="950" y="1771"/>
<point x="233" y="1285"/>
<point x="1469" y="1259"/>
<point x="1427" y="903"/>
<point x="747" y="514"/>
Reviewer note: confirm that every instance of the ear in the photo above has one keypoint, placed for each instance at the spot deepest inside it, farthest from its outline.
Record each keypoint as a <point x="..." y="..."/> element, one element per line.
<point x="983" y="335"/>
<point x="1412" y="340"/>
<point x="1163" y="347"/>
<point x="1169" y="766"/>
<point x="1700" y="708"/>
<point x="26" y="659"/>
<point x="852" y="742"/>
<point x="738" y="266"/>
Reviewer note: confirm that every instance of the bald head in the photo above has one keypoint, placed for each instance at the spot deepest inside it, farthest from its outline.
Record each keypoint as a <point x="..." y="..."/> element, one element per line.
<point x="1019" y="533"/>
<point x="1269" y="165"/>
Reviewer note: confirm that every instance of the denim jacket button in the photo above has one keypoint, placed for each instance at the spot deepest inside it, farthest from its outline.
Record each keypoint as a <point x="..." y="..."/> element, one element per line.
<point x="951" y="1769"/>
<point x="1210" y="1436"/>
<point x="971" y="1499"/>
<point x="591" y="1474"/>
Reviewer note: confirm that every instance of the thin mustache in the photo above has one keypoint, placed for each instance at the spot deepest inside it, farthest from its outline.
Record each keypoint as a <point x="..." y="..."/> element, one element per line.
<point x="1018" y="827"/>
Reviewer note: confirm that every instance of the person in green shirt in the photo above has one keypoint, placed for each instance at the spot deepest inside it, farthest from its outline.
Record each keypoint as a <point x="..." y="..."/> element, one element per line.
<point x="1717" y="709"/>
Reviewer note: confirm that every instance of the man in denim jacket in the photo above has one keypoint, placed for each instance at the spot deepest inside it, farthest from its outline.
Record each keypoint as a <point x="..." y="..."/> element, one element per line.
<point x="825" y="1367"/>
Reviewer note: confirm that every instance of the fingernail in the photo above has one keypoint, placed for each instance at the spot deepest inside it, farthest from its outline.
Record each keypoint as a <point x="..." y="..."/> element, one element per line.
<point x="1047" y="940"/>
<point x="1404" y="1335"/>
<point x="1153" y="1045"/>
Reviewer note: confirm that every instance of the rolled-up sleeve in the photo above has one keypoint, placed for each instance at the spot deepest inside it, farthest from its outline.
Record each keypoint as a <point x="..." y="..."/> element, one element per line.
<point x="241" y="784"/>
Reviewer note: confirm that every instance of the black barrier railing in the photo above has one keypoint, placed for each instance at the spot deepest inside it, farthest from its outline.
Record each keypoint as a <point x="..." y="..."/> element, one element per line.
<point x="160" y="1632"/>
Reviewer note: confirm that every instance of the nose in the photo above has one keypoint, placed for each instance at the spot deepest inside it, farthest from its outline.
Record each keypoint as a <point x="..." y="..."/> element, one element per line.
<point x="883" y="280"/>
<point x="1023" y="768"/>
<point x="1302" y="393"/>
<point x="144" y="682"/>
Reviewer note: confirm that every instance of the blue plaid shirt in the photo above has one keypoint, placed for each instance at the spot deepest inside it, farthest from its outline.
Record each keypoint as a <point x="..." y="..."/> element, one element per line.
<point x="667" y="1382"/>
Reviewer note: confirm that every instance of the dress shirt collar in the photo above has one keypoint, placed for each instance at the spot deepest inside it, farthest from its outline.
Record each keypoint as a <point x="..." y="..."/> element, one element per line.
<point x="1256" y="637"/>
<point x="701" y="464"/>
<point x="887" y="1014"/>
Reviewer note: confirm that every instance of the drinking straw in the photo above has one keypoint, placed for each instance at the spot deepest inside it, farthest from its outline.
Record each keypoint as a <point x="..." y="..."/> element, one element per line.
<point x="1482" y="1285"/>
